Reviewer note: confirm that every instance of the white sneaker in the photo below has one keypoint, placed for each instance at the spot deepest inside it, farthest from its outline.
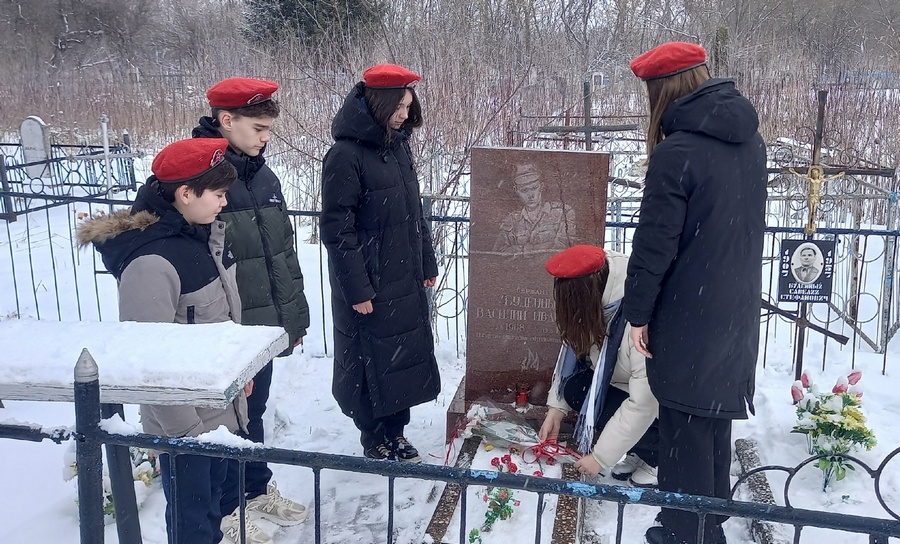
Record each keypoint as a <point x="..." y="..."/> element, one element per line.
<point x="624" y="468"/>
<point x="277" y="509"/>
<point x="231" y="530"/>
<point x="644" y="476"/>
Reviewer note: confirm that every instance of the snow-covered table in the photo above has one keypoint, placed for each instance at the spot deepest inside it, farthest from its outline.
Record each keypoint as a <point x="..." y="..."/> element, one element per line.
<point x="140" y="363"/>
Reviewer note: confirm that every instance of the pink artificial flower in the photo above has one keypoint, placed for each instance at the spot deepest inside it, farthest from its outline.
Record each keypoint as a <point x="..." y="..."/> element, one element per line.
<point x="859" y="394"/>
<point x="804" y="380"/>
<point x="841" y="386"/>
<point x="495" y="462"/>
<point x="503" y="495"/>
<point x="854" y="377"/>
<point x="517" y="502"/>
<point x="538" y="473"/>
<point x="796" y="393"/>
<point x="485" y="497"/>
<point x="513" y="467"/>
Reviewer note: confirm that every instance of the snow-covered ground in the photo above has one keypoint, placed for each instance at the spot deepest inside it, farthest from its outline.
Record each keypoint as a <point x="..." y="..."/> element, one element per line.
<point x="38" y="505"/>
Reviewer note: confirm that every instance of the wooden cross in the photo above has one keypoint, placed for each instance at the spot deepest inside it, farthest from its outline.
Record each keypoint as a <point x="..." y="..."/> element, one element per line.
<point x="587" y="128"/>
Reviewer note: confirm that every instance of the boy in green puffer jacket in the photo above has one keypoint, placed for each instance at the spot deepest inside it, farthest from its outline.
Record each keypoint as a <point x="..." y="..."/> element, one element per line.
<point x="269" y="279"/>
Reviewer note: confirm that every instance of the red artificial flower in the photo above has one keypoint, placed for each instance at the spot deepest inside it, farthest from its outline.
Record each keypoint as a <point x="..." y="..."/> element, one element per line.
<point x="538" y="473"/>
<point x="796" y="393"/>
<point x="551" y="461"/>
<point x="804" y="380"/>
<point x="513" y="467"/>
<point x="854" y="377"/>
<point x="495" y="462"/>
<point x="506" y="459"/>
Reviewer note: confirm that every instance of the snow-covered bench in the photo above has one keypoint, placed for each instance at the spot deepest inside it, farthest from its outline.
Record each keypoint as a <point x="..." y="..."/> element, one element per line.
<point x="138" y="363"/>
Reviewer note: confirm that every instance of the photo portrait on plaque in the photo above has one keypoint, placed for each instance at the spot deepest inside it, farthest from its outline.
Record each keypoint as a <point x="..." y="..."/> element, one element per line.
<point x="806" y="270"/>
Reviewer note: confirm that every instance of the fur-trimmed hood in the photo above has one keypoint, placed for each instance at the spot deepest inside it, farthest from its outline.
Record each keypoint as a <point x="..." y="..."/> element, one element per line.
<point x="122" y="236"/>
<point x="103" y="228"/>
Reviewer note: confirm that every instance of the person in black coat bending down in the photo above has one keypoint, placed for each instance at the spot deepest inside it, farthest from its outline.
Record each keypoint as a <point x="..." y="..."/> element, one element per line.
<point x="381" y="261"/>
<point x="692" y="294"/>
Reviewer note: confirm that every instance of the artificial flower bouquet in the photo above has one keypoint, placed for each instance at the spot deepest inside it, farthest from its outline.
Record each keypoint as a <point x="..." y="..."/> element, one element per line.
<point x="503" y="427"/>
<point x="833" y="423"/>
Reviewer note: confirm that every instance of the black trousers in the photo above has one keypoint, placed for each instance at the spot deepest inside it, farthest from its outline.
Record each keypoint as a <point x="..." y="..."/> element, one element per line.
<point x="375" y="430"/>
<point x="199" y="482"/>
<point x="575" y="392"/>
<point x="695" y="458"/>
<point x="257" y="474"/>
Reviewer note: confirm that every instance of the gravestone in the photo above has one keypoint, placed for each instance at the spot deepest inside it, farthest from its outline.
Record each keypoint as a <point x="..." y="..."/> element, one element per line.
<point x="526" y="205"/>
<point x="35" y="147"/>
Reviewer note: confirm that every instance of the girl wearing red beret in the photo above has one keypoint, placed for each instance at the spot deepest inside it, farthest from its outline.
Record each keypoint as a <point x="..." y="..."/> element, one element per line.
<point x="380" y="262"/>
<point x="599" y="373"/>
<point x="694" y="276"/>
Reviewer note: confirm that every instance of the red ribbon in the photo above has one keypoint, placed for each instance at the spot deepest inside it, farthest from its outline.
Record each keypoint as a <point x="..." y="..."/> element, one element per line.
<point x="548" y="449"/>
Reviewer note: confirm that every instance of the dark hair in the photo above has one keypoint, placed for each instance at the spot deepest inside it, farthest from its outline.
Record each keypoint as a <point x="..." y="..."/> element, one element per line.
<point x="665" y="90"/>
<point x="220" y="176"/>
<point x="268" y="108"/>
<point x="579" y="312"/>
<point x="383" y="104"/>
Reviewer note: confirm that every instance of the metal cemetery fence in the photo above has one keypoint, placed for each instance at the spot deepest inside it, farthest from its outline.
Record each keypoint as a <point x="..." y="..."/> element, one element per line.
<point x="89" y="437"/>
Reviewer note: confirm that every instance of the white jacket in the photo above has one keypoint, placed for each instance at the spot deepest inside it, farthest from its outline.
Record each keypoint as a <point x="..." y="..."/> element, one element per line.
<point x="637" y="413"/>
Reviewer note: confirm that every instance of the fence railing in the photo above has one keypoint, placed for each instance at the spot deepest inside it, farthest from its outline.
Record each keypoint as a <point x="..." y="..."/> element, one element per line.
<point x="89" y="437"/>
<point x="43" y="275"/>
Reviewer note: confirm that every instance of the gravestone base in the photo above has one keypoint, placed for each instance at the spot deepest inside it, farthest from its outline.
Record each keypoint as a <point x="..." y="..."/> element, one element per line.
<point x="459" y="407"/>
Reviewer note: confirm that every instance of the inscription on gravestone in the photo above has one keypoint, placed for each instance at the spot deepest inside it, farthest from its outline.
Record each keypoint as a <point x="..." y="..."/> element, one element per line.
<point x="526" y="206"/>
<point x="35" y="146"/>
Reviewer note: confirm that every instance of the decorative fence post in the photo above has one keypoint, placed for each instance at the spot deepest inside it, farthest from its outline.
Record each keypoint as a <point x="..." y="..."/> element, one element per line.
<point x="88" y="454"/>
<point x="6" y="203"/>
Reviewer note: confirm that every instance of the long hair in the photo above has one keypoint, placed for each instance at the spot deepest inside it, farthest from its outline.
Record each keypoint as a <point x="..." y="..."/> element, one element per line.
<point x="665" y="90"/>
<point x="579" y="311"/>
<point x="383" y="103"/>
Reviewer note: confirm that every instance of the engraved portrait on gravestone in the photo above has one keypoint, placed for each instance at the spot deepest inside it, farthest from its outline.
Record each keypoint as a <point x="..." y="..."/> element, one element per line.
<point x="539" y="226"/>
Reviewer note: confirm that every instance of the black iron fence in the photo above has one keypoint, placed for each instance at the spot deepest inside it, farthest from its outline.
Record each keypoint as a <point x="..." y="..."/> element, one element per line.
<point x="89" y="437"/>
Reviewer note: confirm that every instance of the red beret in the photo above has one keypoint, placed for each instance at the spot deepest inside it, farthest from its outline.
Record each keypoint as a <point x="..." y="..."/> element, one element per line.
<point x="238" y="92"/>
<point x="390" y="76"/>
<point x="668" y="59"/>
<point x="187" y="159"/>
<point x="576" y="261"/>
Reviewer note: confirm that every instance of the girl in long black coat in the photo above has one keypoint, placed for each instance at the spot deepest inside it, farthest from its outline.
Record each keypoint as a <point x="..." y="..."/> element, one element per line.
<point x="695" y="275"/>
<point x="380" y="260"/>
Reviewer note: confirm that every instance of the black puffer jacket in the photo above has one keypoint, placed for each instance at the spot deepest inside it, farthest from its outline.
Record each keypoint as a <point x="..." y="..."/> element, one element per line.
<point x="260" y="231"/>
<point x="379" y="249"/>
<point x="695" y="270"/>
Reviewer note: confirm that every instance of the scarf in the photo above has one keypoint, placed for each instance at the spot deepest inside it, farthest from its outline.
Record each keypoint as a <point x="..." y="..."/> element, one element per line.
<point x="567" y="365"/>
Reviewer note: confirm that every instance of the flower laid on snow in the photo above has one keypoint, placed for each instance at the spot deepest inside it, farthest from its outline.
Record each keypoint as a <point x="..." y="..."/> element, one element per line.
<point x="145" y="469"/>
<point x="833" y="422"/>
<point x="500" y="499"/>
